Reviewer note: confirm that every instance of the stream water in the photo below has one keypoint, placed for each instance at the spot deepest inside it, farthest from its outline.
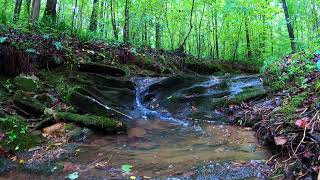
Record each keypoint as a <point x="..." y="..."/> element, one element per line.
<point x="159" y="144"/>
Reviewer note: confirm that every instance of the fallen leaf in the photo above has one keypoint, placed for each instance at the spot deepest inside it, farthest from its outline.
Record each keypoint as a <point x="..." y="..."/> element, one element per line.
<point x="303" y="123"/>
<point x="281" y="140"/>
<point x="73" y="176"/>
<point x="126" y="168"/>
<point x="133" y="177"/>
<point x="22" y="161"/>
<point x="68" y="166"/>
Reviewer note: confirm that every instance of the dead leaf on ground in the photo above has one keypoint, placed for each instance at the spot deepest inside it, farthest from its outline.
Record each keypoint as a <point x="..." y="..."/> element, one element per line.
<point x="281" y="140"/>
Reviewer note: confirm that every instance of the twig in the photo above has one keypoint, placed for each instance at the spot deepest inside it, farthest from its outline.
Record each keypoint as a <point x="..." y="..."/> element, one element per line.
<point x="108" y="108"/>
<point x="305" y="132"/>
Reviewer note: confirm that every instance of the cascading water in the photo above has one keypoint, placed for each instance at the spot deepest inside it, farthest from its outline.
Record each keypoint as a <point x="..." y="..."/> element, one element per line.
<point x="142" y="111"/>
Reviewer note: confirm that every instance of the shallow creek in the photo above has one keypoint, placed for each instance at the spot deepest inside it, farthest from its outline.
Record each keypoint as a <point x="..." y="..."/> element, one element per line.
<point x="161" y="145"/>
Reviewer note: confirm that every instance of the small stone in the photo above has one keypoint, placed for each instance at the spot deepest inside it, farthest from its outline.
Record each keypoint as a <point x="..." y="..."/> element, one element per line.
<point x="56" y="129"/>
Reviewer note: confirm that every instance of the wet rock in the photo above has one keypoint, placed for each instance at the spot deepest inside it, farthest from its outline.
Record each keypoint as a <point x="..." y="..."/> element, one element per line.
<point x="28" y="103"/>
<point x="198" y="97"/>
<point x="229" y="171"/>
<point x="5" y="165"/>
<point x="248" y="148"/>
<point x="104" y="124"/>
<point x="97" y="91"/>
<point x="74" y="135"/>
<point x="79" y="134"/>
<point x="101" y="69"/>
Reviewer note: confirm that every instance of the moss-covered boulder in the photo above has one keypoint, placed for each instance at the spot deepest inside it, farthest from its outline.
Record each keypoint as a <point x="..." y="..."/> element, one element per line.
<point x="26" y="102"/>
<point x="104" y="124"/>
<point x="27" y="83"/>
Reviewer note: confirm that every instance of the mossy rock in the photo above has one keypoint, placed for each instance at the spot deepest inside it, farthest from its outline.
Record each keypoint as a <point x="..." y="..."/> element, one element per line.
<point x="249" y="93"/>
<point x="27" y="84"/>
<point x="104" y="124"/>
<point x="28" y="103"/>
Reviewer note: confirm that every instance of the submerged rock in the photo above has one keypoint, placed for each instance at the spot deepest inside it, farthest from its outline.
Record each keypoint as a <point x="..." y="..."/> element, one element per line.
<point x="104" y="124"/>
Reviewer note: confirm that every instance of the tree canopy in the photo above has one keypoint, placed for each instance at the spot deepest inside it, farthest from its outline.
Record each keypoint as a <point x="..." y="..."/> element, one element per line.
<point x="217" y="29"/>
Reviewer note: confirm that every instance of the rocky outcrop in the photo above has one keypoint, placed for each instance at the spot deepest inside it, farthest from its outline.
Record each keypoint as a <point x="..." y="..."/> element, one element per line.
<point x="97" y="91"/>
<point x="200" y="97"/>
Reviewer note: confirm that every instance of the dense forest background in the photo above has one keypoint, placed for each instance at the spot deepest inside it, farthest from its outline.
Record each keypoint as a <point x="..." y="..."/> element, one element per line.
<point x="253" y="30"/>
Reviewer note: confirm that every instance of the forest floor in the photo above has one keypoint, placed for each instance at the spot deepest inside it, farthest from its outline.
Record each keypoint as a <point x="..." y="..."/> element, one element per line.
<point x="287" y="120"/>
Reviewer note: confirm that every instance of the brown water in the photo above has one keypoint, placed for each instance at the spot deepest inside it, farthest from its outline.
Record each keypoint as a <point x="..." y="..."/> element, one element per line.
<point x="158" y="149"/>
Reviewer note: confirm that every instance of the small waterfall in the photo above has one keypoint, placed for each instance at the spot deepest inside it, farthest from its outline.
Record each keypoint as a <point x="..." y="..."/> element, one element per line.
<point x="143" y="112"/>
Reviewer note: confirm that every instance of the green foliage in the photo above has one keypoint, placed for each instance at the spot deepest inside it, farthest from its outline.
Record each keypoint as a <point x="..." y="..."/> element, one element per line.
<point x="3" y="39"/>
<point x="17" y="137"/>
<point x="291" y="70"/>
<point x="58" y="45"/>
<point x="291" y="104"/>
<point x="9" y="86"/>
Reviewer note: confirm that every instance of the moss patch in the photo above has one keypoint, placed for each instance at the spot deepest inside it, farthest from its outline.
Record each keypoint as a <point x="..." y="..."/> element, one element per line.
<point x="104" y="124"/>
<point x="17" y="135"/>
<point x="291" y="104"/>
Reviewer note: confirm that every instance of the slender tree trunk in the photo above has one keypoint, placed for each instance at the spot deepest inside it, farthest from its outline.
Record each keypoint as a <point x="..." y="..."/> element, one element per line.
<point x="199" y="31"/>
<point x="181" y="48"/>
<point x="235" y="51"/>
<point x="94" y="16"/>
<point x="169" y="31"/>
<point x="216" y="30"/>
<point x="17" y="10"/>
<point x="126" y="24"/>
<point x="145" y="40"/>
<point x="113" y="21"/>
<point x="35" y="10"/>
<point x="158" y="35"/>
<point x="51" y="9"/>
<point x="249" y="51"/>
<point x="289" y="26"/>
<point x="74" y="16"/>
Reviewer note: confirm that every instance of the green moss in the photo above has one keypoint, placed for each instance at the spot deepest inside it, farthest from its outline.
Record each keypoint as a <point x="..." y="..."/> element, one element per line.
<point x="29" y="104"/>
<point x="317" y="86"/>
<point x="105" y="124"/>
<point x="291" y="104"/>
<point x="27" y="84"/>
<point x="17" y="135"/>
<point x="63" y="87"/>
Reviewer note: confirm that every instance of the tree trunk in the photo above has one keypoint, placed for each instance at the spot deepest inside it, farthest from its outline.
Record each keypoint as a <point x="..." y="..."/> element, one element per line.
<point x="235" y="51"/>
<point x="94" y="16"/>
<point x="126" y="24"/>
<point x="249" y="51"/>
<point x="158" y="35"/>
<point x="51" y="9"/>
<point x="17" y="10"/>
<point x="35" y="10"/>
<point x="73" y="16"/>
<point x="216" y="30"/>
<point x="289" y="26"/>
<point x="181" y="48"/>
<point x="113" y="21"/>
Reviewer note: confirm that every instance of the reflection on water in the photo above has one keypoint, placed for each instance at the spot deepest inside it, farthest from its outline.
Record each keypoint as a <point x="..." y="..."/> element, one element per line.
<point x="159" y="148"/>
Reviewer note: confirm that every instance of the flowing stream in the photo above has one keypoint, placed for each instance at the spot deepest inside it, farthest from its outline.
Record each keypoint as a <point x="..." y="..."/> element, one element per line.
<point x="162" y="141"/>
